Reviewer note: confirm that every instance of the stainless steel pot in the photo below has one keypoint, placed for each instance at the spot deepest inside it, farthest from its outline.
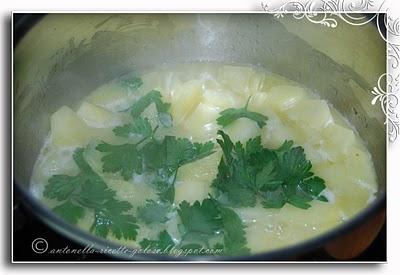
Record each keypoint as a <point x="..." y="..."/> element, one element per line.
<point x="65" y="56"/>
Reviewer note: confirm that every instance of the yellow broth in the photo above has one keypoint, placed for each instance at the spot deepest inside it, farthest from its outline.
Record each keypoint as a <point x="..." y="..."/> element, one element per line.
<point x="197" y="93"/>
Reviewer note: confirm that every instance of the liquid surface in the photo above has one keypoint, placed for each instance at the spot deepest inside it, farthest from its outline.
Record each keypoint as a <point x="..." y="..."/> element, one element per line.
<point x="198" y="93"/>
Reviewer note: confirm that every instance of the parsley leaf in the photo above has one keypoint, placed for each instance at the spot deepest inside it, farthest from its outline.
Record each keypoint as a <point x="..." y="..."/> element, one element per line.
<point x="133" y="83"/>
<point x="163" y="243"/>
<point x="109" y="219"/>
<point x="200" y="218"/>
<point x="164" y="159"/>
<point x="162" y="108"/>
<point x="294" y="165"/>
<point x="139" y="126"/>
<point x="266" y="179"/>
<point x="235" y="179"/>
<point x="154" y="212"/>
<point x="60" y="187"/>
<point x="277" y="177"/>
<point x="231" y="114"/>
<point x="207" y="220"/>
<point x="203" y="223"/>
<point x="274" y="198"/>
<point x="123" y="158"/>
<point x="87" y="190"/>
<point x="69" y="211"/>
<point x="181" y="151"/>
<point x="234" y="233"/>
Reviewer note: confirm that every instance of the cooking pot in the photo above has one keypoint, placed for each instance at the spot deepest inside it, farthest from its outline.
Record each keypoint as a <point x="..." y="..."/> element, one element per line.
<point x="60" y="58"/>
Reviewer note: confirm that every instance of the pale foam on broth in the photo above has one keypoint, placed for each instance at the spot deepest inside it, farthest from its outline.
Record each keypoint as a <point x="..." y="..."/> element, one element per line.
<point x="197" y="93"/>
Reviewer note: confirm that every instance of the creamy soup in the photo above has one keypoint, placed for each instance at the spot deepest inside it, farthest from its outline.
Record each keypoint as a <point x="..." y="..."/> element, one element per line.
<point x="138" y="161"/>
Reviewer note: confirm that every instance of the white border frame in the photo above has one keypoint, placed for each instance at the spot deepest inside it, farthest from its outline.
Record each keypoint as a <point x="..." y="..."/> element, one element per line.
<point x="164" y="11"/>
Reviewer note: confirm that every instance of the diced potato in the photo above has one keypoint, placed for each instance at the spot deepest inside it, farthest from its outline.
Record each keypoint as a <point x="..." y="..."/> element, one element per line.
<point x="210" y="81"/>
<point x="55" y="162"/>
<point x="221" y="99"/>
<point x="338" y="140"/>
<point x="311" y="112"/>
<point x="316" y="154"/>
<point x="185" y="100"/>
<point x="136" y="193"/>
<point x="256" y="82"/>
<point x="242" y="130"/>
<point x="306" y="134"/>
<point x="112" y="96"/>
<point x="235" y="78"/>
<point x="205" y="169"/>
<point x="202" y="124"/>
<point x="283" y="97"/>
<point x="162" y="81"/>
<point x="275" y="132"/>
<point x="258" y="103"/>
<point x="67" y="129"/>
<point x="271" y="80"/>
<point x="99" y="117"/>
<point x="191" y="191"/>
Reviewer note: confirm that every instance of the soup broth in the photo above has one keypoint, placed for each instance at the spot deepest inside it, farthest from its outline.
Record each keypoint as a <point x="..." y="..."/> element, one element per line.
<point x="193" y="98"/>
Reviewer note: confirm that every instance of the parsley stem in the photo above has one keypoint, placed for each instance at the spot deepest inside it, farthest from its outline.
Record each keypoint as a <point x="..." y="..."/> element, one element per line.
<point x="151" y="136"/>
<point x="247" y="103"/>
<point x="175" y="175"/>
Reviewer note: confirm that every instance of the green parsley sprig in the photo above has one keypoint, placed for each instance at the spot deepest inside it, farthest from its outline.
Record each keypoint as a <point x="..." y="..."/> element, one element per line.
<point x="276" y="177"/>
<point x="202" y="223"/>
<point x="230" y="115"/>
<point x="87" y="191"/>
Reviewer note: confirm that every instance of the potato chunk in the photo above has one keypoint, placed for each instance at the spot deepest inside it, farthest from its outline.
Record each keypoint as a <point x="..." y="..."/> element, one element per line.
<point x="162" y="81"/>
<point x="242" y="130"/>
<point x="256" y="82"/>
<point x="185" y="99"/>
<point x="283" y="97"/>
<point x="205" y="169"/>
<point x="67" y="129"/>
<point x="202" y="124"/>
<point x="272" y="80"/>
<point x="311" y="112"/>
<point x="258" y="103"/>
<point x="99" y="117"/>
<point x="53" y="162"/>
<point x="191" y="191"/>
<point x="316" y="154"/>
<point x="235" y="78"/>
<point x="221" y="99"/>
<point x="112" y="96"/>
<point x="338" y="140"/>
<point x="275" y="132"/>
